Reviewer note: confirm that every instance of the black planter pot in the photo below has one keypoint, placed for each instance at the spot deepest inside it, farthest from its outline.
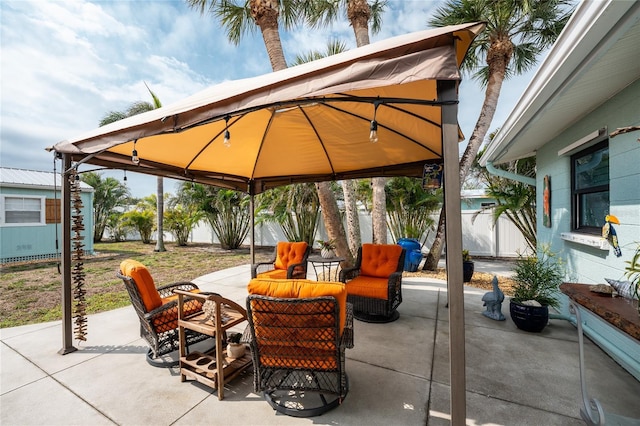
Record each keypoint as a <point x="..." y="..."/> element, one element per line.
<point x="529" y="318"/>
<point x="467" y="270"/>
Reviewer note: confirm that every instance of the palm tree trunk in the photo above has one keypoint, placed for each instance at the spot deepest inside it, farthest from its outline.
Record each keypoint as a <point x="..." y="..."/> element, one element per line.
<point x="353" y="221"/>
<point x="332" y="222"/>
<point x="160" y="215"/>
<point x="496" y="77"/>
<point x="379" y="211"/>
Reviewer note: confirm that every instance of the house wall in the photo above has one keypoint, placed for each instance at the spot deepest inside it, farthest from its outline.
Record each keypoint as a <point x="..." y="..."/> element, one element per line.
<point x="586" y="264"/>
<point x="31" y="242"/>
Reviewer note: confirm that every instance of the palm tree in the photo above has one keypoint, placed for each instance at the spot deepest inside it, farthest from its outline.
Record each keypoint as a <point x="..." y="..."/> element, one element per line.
<point x="295" y="207"/>
<point x="359" y="13"/>
<point x="108" y="194"/>
<point x="517" y="32"/>
<point x="515" y="200"/>
<point x="134" y="109"/>
<point x="266" y="15"/>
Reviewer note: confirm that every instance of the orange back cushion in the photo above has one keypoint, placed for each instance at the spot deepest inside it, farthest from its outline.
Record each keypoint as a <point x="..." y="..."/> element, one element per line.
<point x="289" y="253"/>
<point x="380" y="260"/>
<point x="144" y="282"/>
<point x="295" y="289"/>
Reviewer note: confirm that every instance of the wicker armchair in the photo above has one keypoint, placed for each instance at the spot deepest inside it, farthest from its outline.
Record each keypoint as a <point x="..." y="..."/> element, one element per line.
<point x="289" y="261"/>
<point x="299" y="332"/>
<point x="157" y="310"/>
<point x="374" y="284"/>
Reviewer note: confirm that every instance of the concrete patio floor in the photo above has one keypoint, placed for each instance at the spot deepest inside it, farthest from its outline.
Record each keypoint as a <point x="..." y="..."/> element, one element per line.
<point x="398" y="372"/>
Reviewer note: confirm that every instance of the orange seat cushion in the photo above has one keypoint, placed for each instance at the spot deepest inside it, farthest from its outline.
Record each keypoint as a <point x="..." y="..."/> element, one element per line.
<point x="289" y="253"/>
<point x="376" y="288"/>
<point x="296" y="289"/>
<point x="380" y="260"/>
<point x="144" y="282"/>
<point x="168" y="320"/>
<point x="274" y="274"/>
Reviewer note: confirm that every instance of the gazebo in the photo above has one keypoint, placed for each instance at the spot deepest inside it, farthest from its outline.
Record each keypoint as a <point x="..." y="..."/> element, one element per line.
<point x="385" y="109"/>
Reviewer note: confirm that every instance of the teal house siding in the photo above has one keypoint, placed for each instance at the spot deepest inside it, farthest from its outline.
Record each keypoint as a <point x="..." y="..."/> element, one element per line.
<point x="584" y="263"/>
<point x="21" y="242"/>
<point x="585" y="92"/>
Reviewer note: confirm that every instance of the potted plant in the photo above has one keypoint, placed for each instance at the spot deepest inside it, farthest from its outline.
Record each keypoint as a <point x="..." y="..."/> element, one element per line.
<point x="467" y="266"/>
<point x="536" y="284"/>
<point x="633" y="273"/>
<point x="326" y="248"/>
<point x="235" y="349"/>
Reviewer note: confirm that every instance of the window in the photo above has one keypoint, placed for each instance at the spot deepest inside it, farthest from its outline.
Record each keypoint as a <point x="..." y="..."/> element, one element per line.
<point x="590" y="188"/>
<point x="19" y="210"/>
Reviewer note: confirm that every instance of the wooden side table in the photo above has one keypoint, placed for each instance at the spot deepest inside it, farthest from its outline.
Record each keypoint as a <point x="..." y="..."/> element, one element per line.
<point x="215" y="368"/>
<point x="620" y="313"/>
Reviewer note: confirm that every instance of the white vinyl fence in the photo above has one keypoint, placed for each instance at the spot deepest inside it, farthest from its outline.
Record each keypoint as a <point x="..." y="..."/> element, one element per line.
<point x="480" y="236"/>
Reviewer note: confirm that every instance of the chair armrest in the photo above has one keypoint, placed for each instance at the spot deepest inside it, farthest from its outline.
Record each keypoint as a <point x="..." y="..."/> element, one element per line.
<point x="261" y="265"/>
<point x="301" y="273"/>
<point x="349" y="273"/>
<point x="347" y="333"/>
<point x="395" y="280"/>
<point x="167" y="290"/>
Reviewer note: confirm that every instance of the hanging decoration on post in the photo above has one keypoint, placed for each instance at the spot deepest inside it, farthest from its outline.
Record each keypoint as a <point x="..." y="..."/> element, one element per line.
<point x="432" y="176"/>
<point x="609" y="232"/>
<point x="77" y="260"/>
<point x="546" y="202"/>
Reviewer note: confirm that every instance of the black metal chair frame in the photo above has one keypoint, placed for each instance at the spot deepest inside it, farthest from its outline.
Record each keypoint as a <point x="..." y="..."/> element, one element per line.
<point x="161" y="342"/>
<point x="297" y="383"/>
<point x="369" y="309"/>
<point x="296" y="270"/>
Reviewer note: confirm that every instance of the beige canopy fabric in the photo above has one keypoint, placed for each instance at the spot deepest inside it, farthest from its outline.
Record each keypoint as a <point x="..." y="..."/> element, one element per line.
<point x="302" y="124"/>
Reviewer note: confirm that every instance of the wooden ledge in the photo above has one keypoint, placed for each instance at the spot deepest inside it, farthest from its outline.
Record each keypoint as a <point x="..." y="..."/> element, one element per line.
<point x="620" y="312"/>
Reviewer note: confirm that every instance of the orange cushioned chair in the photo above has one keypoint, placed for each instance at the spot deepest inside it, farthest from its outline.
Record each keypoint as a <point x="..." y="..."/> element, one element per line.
<point x="299" y="332"/>
<point x="289" y="261"/>
<point x="374" y="284"/>
<point x="157" y="309"/>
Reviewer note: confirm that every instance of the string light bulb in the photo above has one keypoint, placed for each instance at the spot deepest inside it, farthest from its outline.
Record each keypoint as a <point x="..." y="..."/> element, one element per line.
<point x="373" y="127"/>
<point x="227" y="135"/>
<point x="125" y="176"/>
<point x="134" y="154"/>
<point x="373" y="134"/>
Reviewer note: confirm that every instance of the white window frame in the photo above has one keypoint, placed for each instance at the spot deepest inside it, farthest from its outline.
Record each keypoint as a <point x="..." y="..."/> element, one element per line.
<point x="3" y="213"/>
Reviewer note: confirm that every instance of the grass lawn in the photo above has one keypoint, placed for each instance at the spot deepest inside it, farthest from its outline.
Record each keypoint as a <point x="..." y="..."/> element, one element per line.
<point x="30" y="292"/>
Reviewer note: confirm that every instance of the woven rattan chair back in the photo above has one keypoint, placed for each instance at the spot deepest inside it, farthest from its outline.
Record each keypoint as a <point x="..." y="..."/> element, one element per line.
<point x="298" y="353"/>
<point x="159" y="326"/>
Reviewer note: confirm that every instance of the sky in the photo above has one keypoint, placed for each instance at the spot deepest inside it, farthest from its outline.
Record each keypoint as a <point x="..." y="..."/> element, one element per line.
<point x="66" y="63"/>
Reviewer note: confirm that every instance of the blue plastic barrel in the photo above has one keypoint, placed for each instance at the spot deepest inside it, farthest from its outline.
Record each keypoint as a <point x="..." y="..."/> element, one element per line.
<point x="413" y="255"/>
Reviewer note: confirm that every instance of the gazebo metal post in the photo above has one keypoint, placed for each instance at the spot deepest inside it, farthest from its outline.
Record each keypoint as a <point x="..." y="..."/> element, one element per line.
<point x="65" y="204"/>
<point x="252" y="233"/>
<point x="447" y="91"/>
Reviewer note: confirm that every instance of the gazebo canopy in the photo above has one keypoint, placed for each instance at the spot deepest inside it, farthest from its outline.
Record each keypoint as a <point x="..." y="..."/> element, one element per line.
<point x="302" y="124"/>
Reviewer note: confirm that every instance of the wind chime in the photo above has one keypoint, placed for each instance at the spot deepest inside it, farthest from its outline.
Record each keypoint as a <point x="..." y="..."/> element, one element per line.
<point x="77" y="260"/>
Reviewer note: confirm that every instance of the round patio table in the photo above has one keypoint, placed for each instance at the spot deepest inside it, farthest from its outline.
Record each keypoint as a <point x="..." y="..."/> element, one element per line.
<point x="326" y="265"/>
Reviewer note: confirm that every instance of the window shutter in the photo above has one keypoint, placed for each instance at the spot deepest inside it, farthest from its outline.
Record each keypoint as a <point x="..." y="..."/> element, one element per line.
<point x="53" y="211"/>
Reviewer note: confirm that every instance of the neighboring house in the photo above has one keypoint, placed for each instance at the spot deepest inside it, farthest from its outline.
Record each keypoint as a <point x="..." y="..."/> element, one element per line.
<point x="586" y="89"/>
<point x="30" y="215"/>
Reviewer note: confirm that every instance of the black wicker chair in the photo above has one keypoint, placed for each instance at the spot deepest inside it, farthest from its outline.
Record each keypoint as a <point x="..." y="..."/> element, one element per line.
<point x="298" y="346"/>
<point x="157" y="310"/>
<point x="374" y="284"/>
<point x="289" y="261"/>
